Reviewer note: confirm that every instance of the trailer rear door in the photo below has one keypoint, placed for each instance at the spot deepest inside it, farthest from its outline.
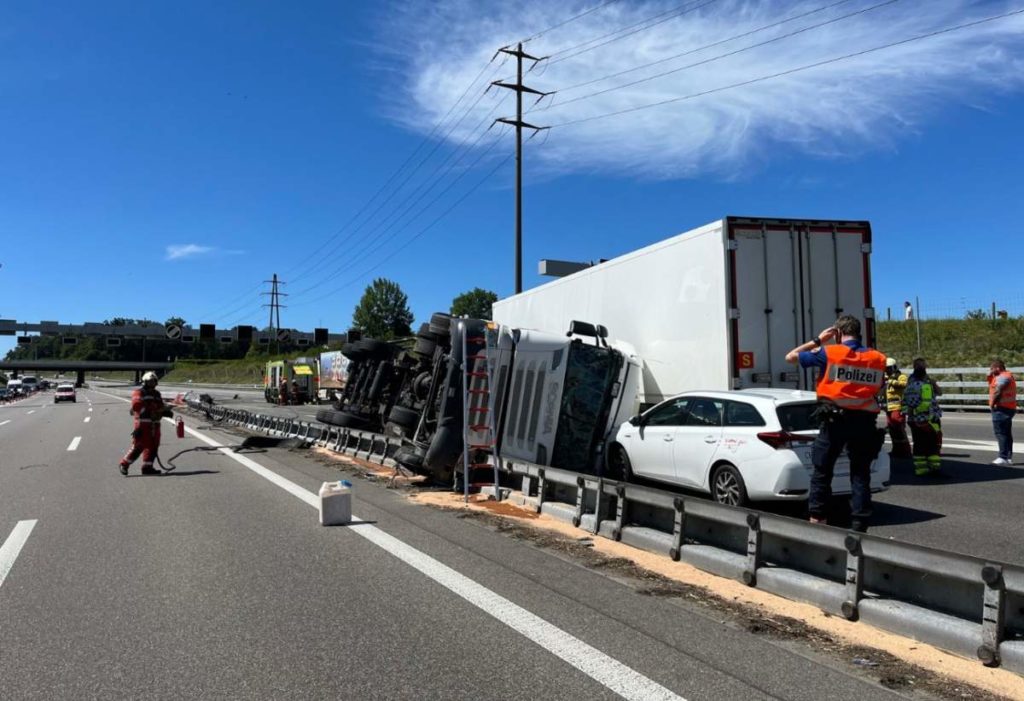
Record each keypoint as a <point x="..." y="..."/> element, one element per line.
<point x="789" y="280"/>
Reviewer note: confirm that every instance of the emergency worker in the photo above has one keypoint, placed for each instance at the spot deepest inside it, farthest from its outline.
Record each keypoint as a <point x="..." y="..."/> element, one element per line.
<point x="895" y="384"/>
<point x="1002" y="400"/>
<point x="148" y="410"/>
<point x="296" y="400"/>
<point x="850" y="376"/>
<point x="921" y="408"/>
<point x="282" y="392"/>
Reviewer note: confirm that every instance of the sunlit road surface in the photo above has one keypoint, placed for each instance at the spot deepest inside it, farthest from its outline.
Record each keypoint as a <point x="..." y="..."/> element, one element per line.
<point x="217" y="581"/>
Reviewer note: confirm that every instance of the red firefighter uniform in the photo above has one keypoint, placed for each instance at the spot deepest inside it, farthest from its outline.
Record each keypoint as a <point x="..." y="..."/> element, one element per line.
<point x="147" y="409"/>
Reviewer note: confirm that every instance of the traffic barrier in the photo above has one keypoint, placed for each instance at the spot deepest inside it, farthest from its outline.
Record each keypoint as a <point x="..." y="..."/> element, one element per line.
<point x="966" y="605"/>
<point x="976" y="399"/>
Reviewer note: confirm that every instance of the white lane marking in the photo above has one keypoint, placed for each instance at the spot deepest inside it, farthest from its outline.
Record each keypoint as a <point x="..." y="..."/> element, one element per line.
<point x="606" y="670"/>
<point x="31" y="412"/>
<point x="86" y="419"/>
<point x="4" y="423"/>
<point x="74" y="443"/>
<point x="992" y="446"/>
<point x="623" y="680"/>
<point x="13" y="545"/>
<point x="90" y="408"/>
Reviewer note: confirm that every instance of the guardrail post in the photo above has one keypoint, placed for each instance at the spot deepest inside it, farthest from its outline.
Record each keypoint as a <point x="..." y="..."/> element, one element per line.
<point x="678" y="528"/>
<point x="620" y="512"/>
<point x="992" y="614"/>
<point x="753" y="550"/>
<point x="541" y="489"/>
<point x="581" y="497"/>
<point x="384" y="451"/>
<point x="600" y="507"/>
<point x="854" y="577"/>
<point x="337" y="441"/>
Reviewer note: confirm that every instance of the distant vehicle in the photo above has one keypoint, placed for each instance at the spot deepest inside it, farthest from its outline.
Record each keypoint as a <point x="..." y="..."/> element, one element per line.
<point x="5" y="394"/>
<point x="304" y="372"/>
<point x="14" y="387"/>
<point x="44" y="384"/>
<point x="740" y="446"/>
<point x="65" y="393"/>
<point x="30" y="383"/>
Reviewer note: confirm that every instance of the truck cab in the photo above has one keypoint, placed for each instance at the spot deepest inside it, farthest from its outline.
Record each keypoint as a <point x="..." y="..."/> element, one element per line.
<point x="301" y="375"/>
<point x="561" y="397"/>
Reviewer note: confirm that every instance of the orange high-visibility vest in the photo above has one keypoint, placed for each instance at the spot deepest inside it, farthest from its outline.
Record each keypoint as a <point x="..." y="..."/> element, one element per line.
<point x="1008" y="398"/>
<point x="852" y="378"/>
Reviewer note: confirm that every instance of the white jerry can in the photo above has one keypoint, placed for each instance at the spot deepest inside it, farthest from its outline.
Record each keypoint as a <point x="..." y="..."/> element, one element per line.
<point x="336" y="503"/>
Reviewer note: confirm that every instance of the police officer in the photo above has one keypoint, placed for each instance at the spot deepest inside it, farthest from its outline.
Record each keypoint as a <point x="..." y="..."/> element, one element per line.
<point x="147" y="409"/>
<point x="850" y="376"/>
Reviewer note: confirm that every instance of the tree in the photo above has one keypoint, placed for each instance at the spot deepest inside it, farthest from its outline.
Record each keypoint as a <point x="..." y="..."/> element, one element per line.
<point x="476" y="304"/>
<point x="383" y="312"/>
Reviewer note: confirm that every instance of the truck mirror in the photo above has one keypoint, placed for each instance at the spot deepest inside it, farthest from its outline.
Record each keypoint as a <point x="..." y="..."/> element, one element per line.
<point x="581" y="328"/>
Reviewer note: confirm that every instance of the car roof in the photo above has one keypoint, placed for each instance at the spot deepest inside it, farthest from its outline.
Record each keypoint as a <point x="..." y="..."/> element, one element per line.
<point x="757" y="395"/>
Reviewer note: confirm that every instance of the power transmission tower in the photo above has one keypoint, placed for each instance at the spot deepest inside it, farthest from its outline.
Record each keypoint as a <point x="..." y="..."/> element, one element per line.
<point x="518" y="123"/>
<point x="275" y="308"/>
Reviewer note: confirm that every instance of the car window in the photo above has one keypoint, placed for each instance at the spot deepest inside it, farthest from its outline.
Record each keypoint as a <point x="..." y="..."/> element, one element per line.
<point x="742" y="414"/>
<point x="671" y="413"/>
<point x="798" y="416"/>
<point x="705" y="412"/>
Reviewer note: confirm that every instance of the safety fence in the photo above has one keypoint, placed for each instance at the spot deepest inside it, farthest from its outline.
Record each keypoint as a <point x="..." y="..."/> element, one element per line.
<point x="966" y="388"/>
<point x="966" y="605"/>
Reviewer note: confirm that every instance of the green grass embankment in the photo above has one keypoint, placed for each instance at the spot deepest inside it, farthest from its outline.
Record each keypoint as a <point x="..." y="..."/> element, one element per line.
<point x="947" y="343"/>
<point x="244" y="371"/>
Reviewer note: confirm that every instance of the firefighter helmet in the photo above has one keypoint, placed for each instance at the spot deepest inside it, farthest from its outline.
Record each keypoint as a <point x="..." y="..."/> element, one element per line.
<point x="150" y="377"/>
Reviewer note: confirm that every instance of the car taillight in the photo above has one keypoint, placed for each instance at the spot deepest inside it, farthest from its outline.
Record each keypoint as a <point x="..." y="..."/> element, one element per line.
<point x="784" y="439"/>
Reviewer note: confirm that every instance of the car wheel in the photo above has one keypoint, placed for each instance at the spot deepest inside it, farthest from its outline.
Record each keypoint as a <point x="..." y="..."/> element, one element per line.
<point x="619" y="466"/>
<point x="727" y="486"/>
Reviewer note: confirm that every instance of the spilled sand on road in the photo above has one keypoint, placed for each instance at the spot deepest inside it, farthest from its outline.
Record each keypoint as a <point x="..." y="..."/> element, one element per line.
<point x="764" y="612"/>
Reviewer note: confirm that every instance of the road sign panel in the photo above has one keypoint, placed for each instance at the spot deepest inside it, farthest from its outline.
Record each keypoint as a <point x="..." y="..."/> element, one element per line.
<point x="284" y="335"/>
<point x="173" y="331"/>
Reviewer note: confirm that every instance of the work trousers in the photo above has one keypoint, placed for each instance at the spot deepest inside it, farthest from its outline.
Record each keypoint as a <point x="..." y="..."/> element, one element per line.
<point x="898" y="434"/>
<point x="1002" y="424"/>
<point x="927" y="446"/>
<point x="855" y="432"/>
<point x="145" y="442"/>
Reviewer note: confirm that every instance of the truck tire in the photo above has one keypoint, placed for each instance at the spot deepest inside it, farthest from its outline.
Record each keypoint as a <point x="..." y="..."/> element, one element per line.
<point x="424" y="347"/>
<point x="427" y="334"/>
<point x="444" y="452"/>
<point x="340" y="418"/>
<point x="375" y="348"/>
<point x="407" y="418"/>
<point x="354" y="351"/>
<point x="409" y="457"/>
<point x="440" y="323"/>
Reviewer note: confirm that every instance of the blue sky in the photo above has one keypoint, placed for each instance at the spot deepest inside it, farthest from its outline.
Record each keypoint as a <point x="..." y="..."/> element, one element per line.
<point x="164" y="159"/>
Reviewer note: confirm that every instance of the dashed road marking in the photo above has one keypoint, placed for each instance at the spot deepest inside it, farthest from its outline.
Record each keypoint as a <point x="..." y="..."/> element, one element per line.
<point x="31" y="412"/>
<point x="4" y="423"/>
<point x="13" y="545"/>
<point x="74" y="443"/>
<point x="86" y="419"/>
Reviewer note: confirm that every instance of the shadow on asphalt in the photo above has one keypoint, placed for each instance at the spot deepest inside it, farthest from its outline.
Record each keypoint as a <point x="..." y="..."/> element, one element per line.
<point x="953" y="472"/>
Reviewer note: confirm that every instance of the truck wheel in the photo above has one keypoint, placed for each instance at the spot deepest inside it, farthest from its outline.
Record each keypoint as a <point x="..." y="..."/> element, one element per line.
<point x="619" y="466"/>
<point x="409" y="457"/>
<point x="376" y="349"/>
<point x="440" y="323"/>
<point x="727" y="486"/>
<point x="396" y="431"/>
<point x="340" y="418"/>
<point x="424" y="347"/>
<point x="409" y="418"/>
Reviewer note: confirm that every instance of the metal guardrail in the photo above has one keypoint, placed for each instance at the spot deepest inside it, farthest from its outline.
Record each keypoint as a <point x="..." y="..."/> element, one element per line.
<point x="967" y="400"/>
<point x="966" y="605"/>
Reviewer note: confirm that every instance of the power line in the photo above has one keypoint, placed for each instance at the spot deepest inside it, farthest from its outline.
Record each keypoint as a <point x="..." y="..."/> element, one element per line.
<point x="408" y="177"/>
<point x="677" y="11"/>
<point x="351" y="262"/>
<point x="790" y="71"/>
<point x="720" y="56"/>
<point x="705" y="46"/>
<point x="553" y="27"/>
<point x="422" y="231"/>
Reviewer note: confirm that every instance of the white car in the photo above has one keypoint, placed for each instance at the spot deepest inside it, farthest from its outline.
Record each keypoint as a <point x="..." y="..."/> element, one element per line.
<point x="65" y="393"/>
<point x="740" y="446"/>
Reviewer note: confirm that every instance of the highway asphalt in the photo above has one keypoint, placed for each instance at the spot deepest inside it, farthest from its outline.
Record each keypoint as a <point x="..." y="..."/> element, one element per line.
<point x="217" y="581"/>
<point x="974" y="508"/>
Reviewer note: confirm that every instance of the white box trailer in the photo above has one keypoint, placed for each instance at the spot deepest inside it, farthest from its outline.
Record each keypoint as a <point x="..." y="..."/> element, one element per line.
<point x="717" y="307"/>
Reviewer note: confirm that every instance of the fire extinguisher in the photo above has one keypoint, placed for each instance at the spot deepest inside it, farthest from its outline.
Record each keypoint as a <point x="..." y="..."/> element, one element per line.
<point x="179" y="429"/>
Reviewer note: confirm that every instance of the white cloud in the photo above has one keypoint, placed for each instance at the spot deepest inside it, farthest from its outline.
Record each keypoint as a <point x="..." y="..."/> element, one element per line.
<point x="838" y="109"/>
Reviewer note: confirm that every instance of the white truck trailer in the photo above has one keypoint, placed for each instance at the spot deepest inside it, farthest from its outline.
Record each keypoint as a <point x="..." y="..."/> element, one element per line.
<point x="717" y="307"/>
